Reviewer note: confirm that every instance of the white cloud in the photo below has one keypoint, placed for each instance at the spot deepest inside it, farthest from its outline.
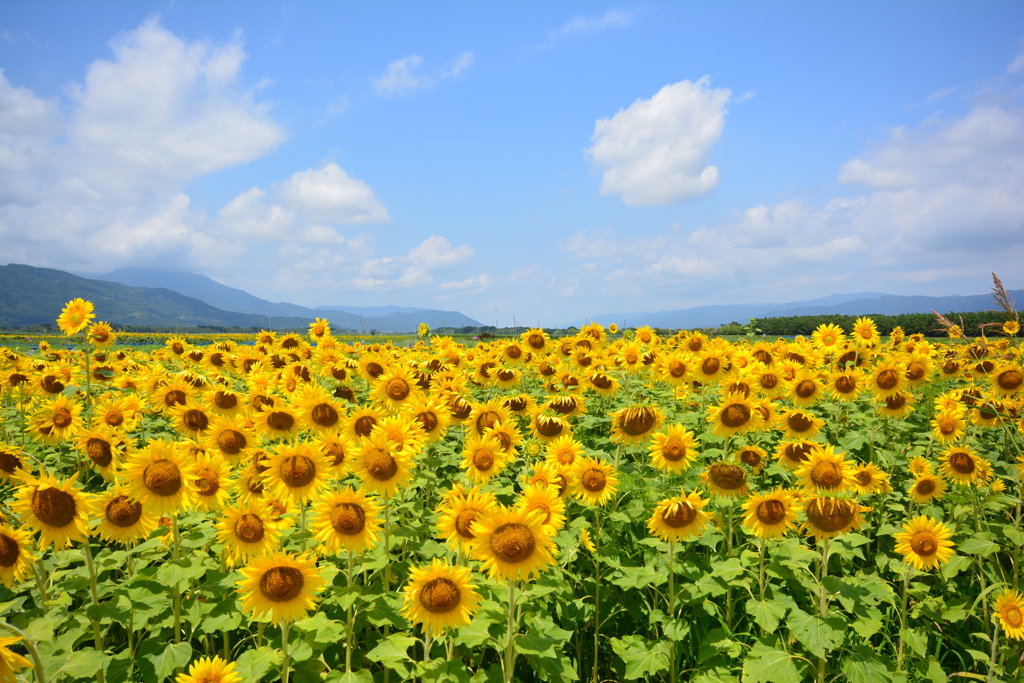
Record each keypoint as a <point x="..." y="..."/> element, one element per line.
<point x="656" y="151"/>
<point x="480" y="282"/>
<point x="330" y="194"/>
<point x="941" y="93"/>
<point x="404" y="76"/>
<point x="437" y="252"/>
<point x="612" y="19"/>
<point x="586" y="245"/>
<point x="1017" y="65"/>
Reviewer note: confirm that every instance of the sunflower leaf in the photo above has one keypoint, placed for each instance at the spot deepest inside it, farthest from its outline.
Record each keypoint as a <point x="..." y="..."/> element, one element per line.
<point x="864" y="665"/>
<point x="174" y="656"/>
<point x="392" y="649"/>
<point x="766" y="613"/>
<point x="817" y="634"/>
<point x="767" y="664"/>
<point x="638" y="577"/>
<point x="253" y="665"/>
<point x="980" y="543"/>
<point x="640" y="657"/>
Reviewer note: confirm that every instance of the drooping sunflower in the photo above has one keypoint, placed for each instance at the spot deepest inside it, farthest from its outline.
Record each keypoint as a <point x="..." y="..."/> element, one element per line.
<point x="122" y="519"/>
<point x="771" y="515"/>
<point x="793" y="454"/>
<point x="296" y="471"/>
<point x="457" y="514"/>
<point x="348" y="520"/>
<point x="248" y="531"/>
<point x="799" y="424"/>
<point x="15" y="556"/>
<point x="76" y="315"/>
<point x="734" y="415"/>
<point x="12" y="461"/>
<point x="158" y="474"/>
<point x="924" y="543"/>
<point x="897" y="406"/>
<point x="547" y="500"/>
<point x="679" y="518"/>
<point x="440" y="596"/>
<point x="381" y="466"/>
<point x="827" y="516"/>
<point x="596" y="481"/>
<point x="58" y="510"/>
<point x="512" y="544"/>
<point x="725" y="479"/>
<point x="963" y="465"/>
<point x="282" y="584"/>
<point x="210" y="670"/>
<point x="1008" y="607"/>
<point x="868" y="478"/>
<point x="213" y="484"/>
<point x="825" y="472"/>
<point x="752" y="456"/>
<point x="926" y="488"/>
<point x="636" y="423"/>
<point x="545" y="427"/>
<point x="673" y="450"/>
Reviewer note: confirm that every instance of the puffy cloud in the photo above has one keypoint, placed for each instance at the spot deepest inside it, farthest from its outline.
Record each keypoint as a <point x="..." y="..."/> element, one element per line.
<point x="614" y="18"/>
<point x="404" y="76"/>
<point x="437" y="252"/>
<point x="330" y="194"/>
<point x="656" y="151"/>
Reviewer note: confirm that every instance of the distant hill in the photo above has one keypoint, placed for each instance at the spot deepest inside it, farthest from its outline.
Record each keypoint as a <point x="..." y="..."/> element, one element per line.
<point x="382" y="318"/>
<point x="864" y="303"/>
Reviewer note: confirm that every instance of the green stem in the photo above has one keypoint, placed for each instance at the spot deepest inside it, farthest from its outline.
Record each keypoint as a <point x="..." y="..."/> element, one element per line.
<point x="672" y="607"/>
<point x="176" y="550"/>
<point x="427" y="642"/>
<point x="97" y="631"/>
<point x="350" y="621"/>
<point x="37" y="571"/>
<point x="901" y="646"/>
<point x="387" y="569"/>
<point x="597" y="588"/>
<point x="509" y="659"/>
<point x="37" y="663"/>
<point x="994" y="652"/>
<point x="823" y="599"/>
<point x="284" y="650"/>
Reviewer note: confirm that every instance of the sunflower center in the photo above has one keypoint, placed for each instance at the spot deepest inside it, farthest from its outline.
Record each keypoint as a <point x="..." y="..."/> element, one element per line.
<point x="771" y="511"/>
<point x="679" y="515"/>
<point x="123" y="512"/>
<point x="297" y="471"/>
<point x="839" y="515"/>
<point x="483" y="460"/>
<point x="162" y="477"/>
<point x="799" y="422"/>
<point x="208" y="481"/>
<point x="196" y="420"/>
<point x="61" y="418"/>
<point x="548" y="426"/>
<point x="535" y="340"/>
<point x="381" y="465"/>
<point x="174" y="397"/>
<point x="440" y="595"/>
<point x="676" y="369"/>
<point x="374" y="369"/>
<point x="339" y="374"/>
<point x="769" y="381"/>
<point x="281" y="584"/>
<point x="364" y="425"/>
<point x="428" y="421"/>
<point x="805" y="389"/>
<point x="915" y="371"/>
<point x="113" y="418"/>
<point x="673" y="451"/>
<point x="826" y="475"/>
<point x="336" y="452"/>
<point x="398" y="389"/>
<point x="735" y="415"/>
<point x="728" y="477"/>
<point x="896" y="402"/>
<point x="516" y="404"/>
<point x="513" y="351"/>
<point x="710" y="366"/>
<point x="9" y="462"/>
<point x="961" y="462"/>
<point x="1011" y="614"/>
<point x="231" y="442"/>
<point x="52" y="385"/>
<point x="250" y="528"/>
<point x="53" y="507"/>
<point x="798" y="452"/>
<point x="512" y="542"/>
<point x="486" y="421"/>
<point x="601" y="381"/>
<point x="9" y="551"/>
<point x="947" y="426"/>
<point x="348" y="518"/>
<point x="463" y="521"/>
<point x="594" y="480"/>
<point x="639" y="421"/>
<point x="863" y="478"/>
<point x="924" y="543"/>
<point x="99" y="451"/>
<point x="887" y="379"/>
<point x="324" y="415"/>
<point x="563" y="405"/>
<point x="1010" y="380"/>
<point x="280" y="421"/>
<point x="950" y="367"/>
<point x="925" y="487"/>
<point x="17" y="379"/>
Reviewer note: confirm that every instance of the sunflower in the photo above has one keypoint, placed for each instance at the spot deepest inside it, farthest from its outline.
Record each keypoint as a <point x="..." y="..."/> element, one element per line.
<point x="104" y="448"/>
<point x="587" y="542"/>
<point x="15" y="556"/>
<point x="114" y="413"/>
<point x="602" y="383"/>
<point x="431" y="414"/>
<point x="710" y="366"/>
<point x="828" y="517"/>
<point x="57" y="420"/>
<point x="58" y="510"/>
<point x="296" y="472"/>
<point x="535" y="338"/>
<point x="101" y="335"/>
<point x="483" y="458"/>
<point x="867" y="479"/>
<point x="963" y="466"/>
<point x="734" y="415"/>
<point x="897" y="406"/>
<point x="346" y="519"/>
<point x="865" y="333"/>
<point x="403" y="432"/>
<point x="547" y="500"/>
<point x="457" y="514"/>
<point x="337" y="449"/>
<point x="771" y="515"/>
<point x="122" y="519"/>
<point x="158" y="475"/>
<point x="674" y="449"/>
<point x="512" y="544"/>
<point x="596" y="480"/>
<point x="207" y="670"/>
<point x="828" y="337"/>
<point x="190" y="418"/>
<point x="564" y="450"/>
<point x="846" y="385"/>
<point x="77" y="314"/>
<point x="793" y="454"/>
<point x="806" y="389"/>
<point x="635" y="424"/>
<point x="679" y="518"/>
<point x="924" y="543"/>
<point x="361" y="421"/>
<point x="888" y="378"/>
<point x="768" y="382"/>
<point x="798" y="424"/>
<point x="726" y="480"/>
<point x="825" y="472"/>
<point x="630" y="357"/>
<point x="440" y="596"/>
<point x="545" y="427"/>
<point x="248" y="531"/>
<point x="919" y="465"/>
<point x="318" y="410"/>
<point x="1009" y="609"/>
<point x="926" y="488"/>
<point x="170" y="393"/>
<point x="949" y="426"/>
<point x="380" y="465"/>
<point x="752" y="456"/>
<point x="231" y="436"/>
<point x="282" y="584"/>
<point x="11" y="662"/>
<point x="279" y="421"/>
<point x="394" y="387"/>
<point x="213" y="484"/>
<point x="674" y="368"/>
<point x="487" y="415"/>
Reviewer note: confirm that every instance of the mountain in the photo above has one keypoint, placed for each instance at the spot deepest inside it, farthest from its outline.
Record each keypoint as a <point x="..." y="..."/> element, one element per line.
<point x="864" y="303"/>
<point x="381" y="318"/>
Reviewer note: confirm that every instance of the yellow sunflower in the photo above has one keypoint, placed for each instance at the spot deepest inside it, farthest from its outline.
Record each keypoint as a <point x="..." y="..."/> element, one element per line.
<point x="394" y="388"/>
<point x="868" y="479"/>
<point x="487" y="415"/>
<point x="846" y="385"/>
<point x="679" y="518"/>
<point x="361" y="421"/>
<point x="337" y="449"/>
<point x="888" y="378"/>
<point x="734" y="415"/>
<point x="897" y="406"/>
<point x="949" y="426"/>
<point x="380" y="465"/>
<point x="926" y="488"/>
<point x="296" y="471"/>
<point x="793" y="454"/>
<point x="674" y="450"/>
<point x="596" y="481"/>
<point x="12" y="461"/>
<point x="547" y="427"/>
<point x="753" y="457"/>
<point x="865" y="333"/>
<point x="104" y="447"/>
<point x="798" y="424"/>
<point x="564" y="450"/>
<point x="587" y="542"/>
<point x="483" y="458"/>
<point x="963" y="465"/>
<point x="59" y="511"/>
<point x="827" y="517"/>
<point x="431" y="414"/>
<point x="806" y="389"/>
<point x="213" y="484"/>
<point x="123" y="520"/>
<point x="207" y="670"/>
<point x="440" y="596"/>
<point x="547" y="500"/>
<point x="825" y="472"/>
<point x="318" y="409"/>
<point x="190" y="418"/>
<point x="77" y="314"/>
<point x="726" y="480"/>
<point x="828" y="337"/>
<point x="924" y="543"/>
<point x="282" y="584"/>
<point x="403" y="432"/>
<point x="1009" y="609"/>
<point x="457" y="514"/>
<point x="278" y="422"/>
<point x="11" y="662"/>
<point x="248" y="531"/>
<point x="57" y="419"/>
<point x="231" y="436"/>
<point x="348" y="520"/>
<point x="635" y="424"/>
<point x="919" y="465"/>
<point x="15" y="557"/>
<point x="771" y="515"/>
<point x="535" y="338"/>
<point x="512" y="544"/>
<point x="101" y="335"/>
<point x="158" y="475"/>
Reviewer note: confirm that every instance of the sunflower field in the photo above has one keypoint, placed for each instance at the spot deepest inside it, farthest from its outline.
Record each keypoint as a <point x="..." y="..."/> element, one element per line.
<point x="611" y="506"/>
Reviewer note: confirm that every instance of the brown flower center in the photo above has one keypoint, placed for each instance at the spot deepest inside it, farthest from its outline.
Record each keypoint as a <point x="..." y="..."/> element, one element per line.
<point x="486" y="420"/>
<point x="536" y="341"/>
<point x="428" y="421"/>
<point x="925" y="487"/>
<point x="174" y="397"/>
<point x="563" y="405"/>
<point x="728" y="477"/>
<point x="735" y="415"/>
<point x="639" y="421"/>
<point x="280" y="421"/>
<point x="771" y="511"/>
<point x="750" y="458"/>
<point x="53" y="507"/>
<point x="348" y="518"/>
<point x="281" y="584"/>
<point x="679" y="515"/>
<point x="961" y="462"/>
<point x="440" y="596"/>
<point x="830" y="515"/>
<point x="208" y="481"/>
<point x="463" y="522"/>
<point x="99" y="451"/>
<point x="336" y="452"/>
<point x="483" y="460"/>
<point x="516" y="404"/>
<point x="324" y="415"/>
<point x="231" y="442"/>
<point x="297" y="471"/>
<point x="601" y="381"/>
<point x="381" y="465"/>
<point x="896" y="402"/>
<point x="9" y="551"/>
<point x="594" y="480"/>
<point x="250" y="528"/>
<point x="915" y="371"/>
<point x="924" y="543"/>
<point x="9" y="462"/>
<point x="845" y="384"/>
<point x="61" y="418"/>
<point x="799" y="422"/>
<point x="364" y="425"/>
<point x="805" y="389"/>
<point x="374" y="369"/>
<point x="887" y="379"/>
<point x="123" y="512"/>
<point x="710" y="366"/>
<point x="162" y="477"/>
<point x="51" y="385"/>
<point x="513" y="543"/>
<point x="769" y="380"/>
<point x="1010" y="380"/>
<point x="947" y="426"/>
<point x="113" y="418"/>
<point x="673" y="451"/>
<point x="548" y="426"/>
<point x="196" y="420"/>
<point x="398" y="389"/>
<point x="826" y="475"/>
<point x="1011" y="614"/>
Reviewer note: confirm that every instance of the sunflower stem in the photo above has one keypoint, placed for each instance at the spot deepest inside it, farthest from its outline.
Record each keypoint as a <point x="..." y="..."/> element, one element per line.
<point x="37" y="663"/>
<point x="823" y="599"/>
<point x="728" y="554"/>
<point x="597" y="588"/>
<point x="284" y="650"/>
<point x="427" y="642"/>
<point x="176" y="549"/>
<point x="671" y="607"/>
<point x="903" y="618"/>
<point x="350" y="622"/>
<point x="994" y="652"/>
<point x="387" y="569"/>
<point x="97" y="632"/>
<point x="509" y="660"/>
<point x="37" y="571"/>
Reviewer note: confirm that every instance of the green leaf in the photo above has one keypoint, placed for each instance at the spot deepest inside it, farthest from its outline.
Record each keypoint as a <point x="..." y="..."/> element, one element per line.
<point x="931" y="670"/>
<point x="640" y="657"/>
<point x="322" y="630"/>
<point x="393" y="648"/>
<point x="361" y="676"/>
<point x="177" y="572"/>
<point x="817" y="634"/>
<point x="638" y="577"/>
<point x="767" y="664"/>
<point x="980" y="543"/>
<point x="253" y="665"/>
<point x="916" y="639"/>
<point x="864" y="665"/>
<point x="728" y="570"/>
<point x="117" y="609"/>
<point x="956" y="564"/>
<point x="84" y="663"/>
<point x="536" y="645"/>
<point x="174" y="656"/>
<point x="766" y="613"/>
<point x="716" y="674"/>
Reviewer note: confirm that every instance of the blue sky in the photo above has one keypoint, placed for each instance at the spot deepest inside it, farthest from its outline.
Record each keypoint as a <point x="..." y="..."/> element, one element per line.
<point x="550" y="161"/>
